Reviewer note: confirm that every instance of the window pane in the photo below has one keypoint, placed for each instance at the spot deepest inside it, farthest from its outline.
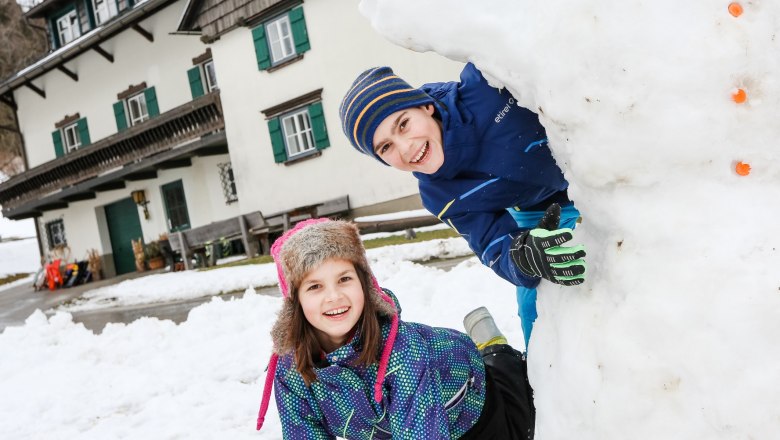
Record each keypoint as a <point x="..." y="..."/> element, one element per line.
<point x="135" y="111"/>
<point x="298" y="133"/>
<point x="137" y="108"/>
<point x="211" y="76"/>
<point x="280" y="39"/>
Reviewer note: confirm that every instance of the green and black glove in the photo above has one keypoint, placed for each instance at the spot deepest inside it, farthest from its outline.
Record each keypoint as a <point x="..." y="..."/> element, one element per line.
<point x="538" y="252"/>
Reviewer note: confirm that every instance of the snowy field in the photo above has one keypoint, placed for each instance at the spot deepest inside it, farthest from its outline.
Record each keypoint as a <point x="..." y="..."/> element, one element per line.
<point x="19" y="256"/>
<point x="201" y="379"/>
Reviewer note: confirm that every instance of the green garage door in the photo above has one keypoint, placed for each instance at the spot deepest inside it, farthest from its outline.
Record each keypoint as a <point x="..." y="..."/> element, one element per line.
<point x="123" y="226"/>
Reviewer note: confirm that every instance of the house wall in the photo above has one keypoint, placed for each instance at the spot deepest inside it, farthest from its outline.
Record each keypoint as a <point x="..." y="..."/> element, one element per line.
<point x="162" y="64"/>
<point x="342" y="45"/>
<point x="85" y="224"/>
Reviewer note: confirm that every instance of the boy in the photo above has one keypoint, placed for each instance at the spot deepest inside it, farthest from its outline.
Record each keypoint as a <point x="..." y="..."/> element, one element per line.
<point x="483" y="166"/>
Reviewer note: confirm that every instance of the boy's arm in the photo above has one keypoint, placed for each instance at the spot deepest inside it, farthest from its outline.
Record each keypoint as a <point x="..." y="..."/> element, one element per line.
<point x="298" y="419"/>
<point x="490" y="236"/>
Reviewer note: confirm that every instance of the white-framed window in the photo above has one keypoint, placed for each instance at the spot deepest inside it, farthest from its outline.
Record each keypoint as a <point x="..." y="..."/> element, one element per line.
<point x="210" y="75"/>
<point x="136" y="109"/>
<point x="68" y="27"/>
<point x="104" y="10"/>
<point x="280" y="39"/>
<point x="70" y="137"/>
<point x="298" y="136"/>
<point x="228" y="181"/>
<point x="55" y="231"/>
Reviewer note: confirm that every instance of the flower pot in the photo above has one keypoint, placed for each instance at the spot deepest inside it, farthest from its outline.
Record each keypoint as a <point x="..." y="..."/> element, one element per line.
<point x="156" y="263"/>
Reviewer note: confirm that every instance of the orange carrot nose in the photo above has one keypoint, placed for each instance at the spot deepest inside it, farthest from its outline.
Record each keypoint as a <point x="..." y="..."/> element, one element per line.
<point x="735" y="9"/>
<point x="739" y="96"/>
<point x="742" y="168"/>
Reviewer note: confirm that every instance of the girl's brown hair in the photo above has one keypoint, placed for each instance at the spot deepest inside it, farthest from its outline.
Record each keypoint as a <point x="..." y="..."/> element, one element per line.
<point x="306" y="346"/>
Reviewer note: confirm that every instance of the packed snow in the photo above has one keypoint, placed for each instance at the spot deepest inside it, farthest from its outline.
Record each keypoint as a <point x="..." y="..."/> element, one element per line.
<point x="19" y="256"/>
<point x="649" y="107"/>
<point x="201" y="379"/>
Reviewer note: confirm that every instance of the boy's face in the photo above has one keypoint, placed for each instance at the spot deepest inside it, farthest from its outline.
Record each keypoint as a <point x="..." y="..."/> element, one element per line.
<point x="410" y="140"/>
<point x="332" y="300"/>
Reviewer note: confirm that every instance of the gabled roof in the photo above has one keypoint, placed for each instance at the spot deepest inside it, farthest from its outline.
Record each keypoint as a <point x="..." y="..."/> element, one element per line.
<point x="89" y="41"/>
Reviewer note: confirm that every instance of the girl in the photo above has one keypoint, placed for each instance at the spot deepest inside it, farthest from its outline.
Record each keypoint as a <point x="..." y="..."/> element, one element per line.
<point x="345" y="365"/>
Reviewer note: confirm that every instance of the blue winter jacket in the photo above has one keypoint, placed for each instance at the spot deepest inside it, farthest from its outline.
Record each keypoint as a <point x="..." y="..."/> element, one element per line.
<point x="495" y="157"/>
<point x="434" y="389"/>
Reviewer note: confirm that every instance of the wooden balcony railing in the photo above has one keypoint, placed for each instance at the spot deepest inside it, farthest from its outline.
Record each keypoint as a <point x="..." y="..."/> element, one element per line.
<point x="187" y="122"/>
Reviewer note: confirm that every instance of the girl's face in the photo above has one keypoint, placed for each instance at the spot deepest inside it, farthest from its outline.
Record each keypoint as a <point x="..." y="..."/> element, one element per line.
<point x="332" y="299"/>
<point x="410" y="140"/>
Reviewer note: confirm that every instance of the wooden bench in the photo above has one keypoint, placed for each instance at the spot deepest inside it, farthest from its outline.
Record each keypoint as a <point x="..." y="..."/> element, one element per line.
<point x="284" y="220"/>
<point x="394" y="225"/>
<point x="250" y="227"/>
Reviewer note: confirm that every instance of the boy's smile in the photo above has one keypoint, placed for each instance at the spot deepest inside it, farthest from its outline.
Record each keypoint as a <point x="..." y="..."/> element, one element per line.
<point x="332" y="300"/>
<point x="410" y="140"/>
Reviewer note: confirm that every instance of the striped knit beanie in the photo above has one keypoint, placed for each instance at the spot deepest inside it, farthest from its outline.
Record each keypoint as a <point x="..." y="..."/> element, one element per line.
<point x="376" y="94"/>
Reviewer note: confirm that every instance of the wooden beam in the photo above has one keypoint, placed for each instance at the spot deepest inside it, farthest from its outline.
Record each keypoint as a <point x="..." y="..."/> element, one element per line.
<point x="109" y="186"/>
<point x="8" y="99"/>
<point x="80" y="196"/>
<point x="102" y="52"/>
<point x="141" y="175"/>
<point x="24" y="215"/>
<point x="65" y="70"/>
<point x="53" y="206"/>
<point x="176" y="163"/>
<point x="146" y="34"/>
<point x="35" y="89"/>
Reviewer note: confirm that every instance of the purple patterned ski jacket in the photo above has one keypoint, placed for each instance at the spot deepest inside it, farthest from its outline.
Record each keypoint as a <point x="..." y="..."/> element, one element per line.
<point x="434" y="389"/>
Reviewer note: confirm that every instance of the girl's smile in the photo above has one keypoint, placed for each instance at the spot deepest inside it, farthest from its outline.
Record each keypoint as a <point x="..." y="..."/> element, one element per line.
<point x="332" y="299"/>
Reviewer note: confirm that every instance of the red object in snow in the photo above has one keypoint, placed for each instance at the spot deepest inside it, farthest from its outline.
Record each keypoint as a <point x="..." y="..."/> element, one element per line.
<point x="53" y="275"/>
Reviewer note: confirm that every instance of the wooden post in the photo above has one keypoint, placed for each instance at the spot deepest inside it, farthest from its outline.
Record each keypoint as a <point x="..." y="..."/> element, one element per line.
<point x="250" y="246"/>
<point x="286" y="220"/>
<point x="185" y="250"/>
<point x="265" y="244"/>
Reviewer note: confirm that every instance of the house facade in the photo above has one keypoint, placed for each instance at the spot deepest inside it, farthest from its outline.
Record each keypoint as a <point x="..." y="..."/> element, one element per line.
<point x="165" y="115"/>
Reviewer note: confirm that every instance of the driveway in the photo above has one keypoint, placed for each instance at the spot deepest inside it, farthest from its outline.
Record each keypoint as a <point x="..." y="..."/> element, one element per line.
<point x="17" y="303"/>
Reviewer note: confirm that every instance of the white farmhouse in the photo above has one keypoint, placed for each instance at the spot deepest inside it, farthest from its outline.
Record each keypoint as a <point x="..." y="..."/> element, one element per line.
<point x="161" y="116"/>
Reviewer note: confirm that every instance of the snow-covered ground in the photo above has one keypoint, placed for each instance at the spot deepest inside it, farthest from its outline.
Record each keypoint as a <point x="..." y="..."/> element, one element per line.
<point x="175" y="286"/>
<point x="19" y="256"/>
<point x="201" y="379"/>
<point x="649" y="108"/>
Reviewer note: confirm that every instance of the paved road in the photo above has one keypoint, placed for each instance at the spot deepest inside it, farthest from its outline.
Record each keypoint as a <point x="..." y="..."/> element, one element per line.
<point x="18" y="303"/>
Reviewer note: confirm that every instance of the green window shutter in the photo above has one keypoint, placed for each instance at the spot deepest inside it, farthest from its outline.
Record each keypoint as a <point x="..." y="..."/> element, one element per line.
<point x="56" y="136"/>
<point x="196" y="83"/>
<point x="277" y="140"/>
<point x="261" y="48"/>
<point x="300" y="35"/>
<point x="119" y="114"/>
<point x="318" y="126"/>
<point x="151" y="102"/>
<point x="83" y="132"/>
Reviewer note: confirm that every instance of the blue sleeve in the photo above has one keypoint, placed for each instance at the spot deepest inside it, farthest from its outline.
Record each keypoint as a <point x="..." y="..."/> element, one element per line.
<point x="490" y="236"/>
<point x="298" y="419"/>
